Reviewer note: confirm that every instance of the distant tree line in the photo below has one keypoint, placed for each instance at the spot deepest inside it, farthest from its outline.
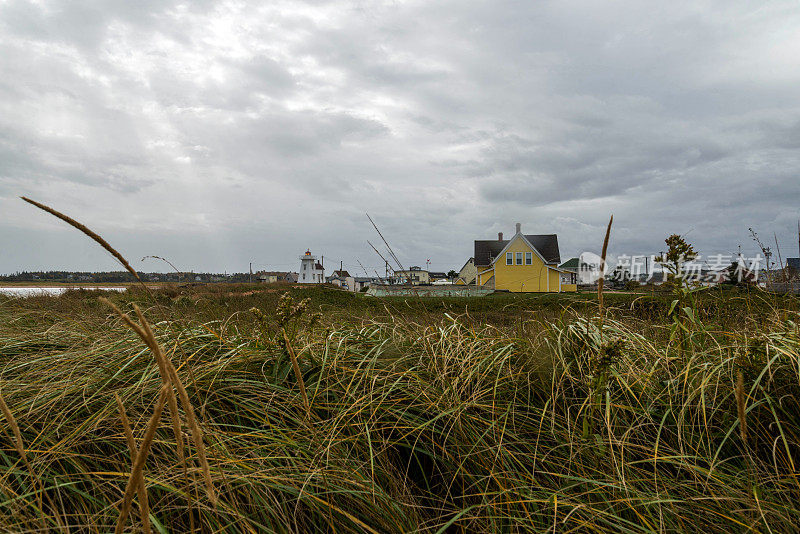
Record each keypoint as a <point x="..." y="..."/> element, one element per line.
<point x="120" y="276"/>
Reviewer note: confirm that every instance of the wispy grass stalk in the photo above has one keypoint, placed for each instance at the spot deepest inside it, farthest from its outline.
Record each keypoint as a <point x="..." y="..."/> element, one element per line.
<point x="135" y="481"/>
<point x="86" y="230"/>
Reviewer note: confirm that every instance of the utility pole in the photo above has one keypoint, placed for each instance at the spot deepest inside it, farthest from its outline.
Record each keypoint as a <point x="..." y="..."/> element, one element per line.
<point x="251" y="272"/>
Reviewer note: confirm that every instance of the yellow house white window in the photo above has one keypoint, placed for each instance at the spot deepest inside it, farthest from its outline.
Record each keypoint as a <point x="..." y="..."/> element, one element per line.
<point x="519" y="258"/>
<point x="509" y="258"/>
<point x="528" y="258"/>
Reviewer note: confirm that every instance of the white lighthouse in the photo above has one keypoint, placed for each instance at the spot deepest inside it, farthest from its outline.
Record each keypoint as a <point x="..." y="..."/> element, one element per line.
<point x="311" y="271"/>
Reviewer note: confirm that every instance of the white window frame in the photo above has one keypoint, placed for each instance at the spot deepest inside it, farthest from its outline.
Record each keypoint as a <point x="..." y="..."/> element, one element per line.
<point x="529" y="258"/>
<point x="519" y="258"/>
<point x="509" y="258"/>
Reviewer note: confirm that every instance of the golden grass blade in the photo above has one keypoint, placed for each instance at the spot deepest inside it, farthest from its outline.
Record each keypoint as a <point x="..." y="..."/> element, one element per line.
<point x="144" y="505"/>
<point x="740" y="405"/>
<point x="172" y="402"/>
<point x="99" y="240"/>
<point x="601" y="281"/>
<point x="150" y="340"/>
<point x="12" y="422"/>
<point x="126" y="427"/>
<point x="297" y="373"/>
<point x="141" y="456"/>
<point x="191" y="419"/>
<point x="197" y="433"/>
<point x="126" y="319"/>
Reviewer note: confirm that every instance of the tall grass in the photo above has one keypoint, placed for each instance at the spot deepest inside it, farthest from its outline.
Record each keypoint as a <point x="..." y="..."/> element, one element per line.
<point x="409" y="425"/>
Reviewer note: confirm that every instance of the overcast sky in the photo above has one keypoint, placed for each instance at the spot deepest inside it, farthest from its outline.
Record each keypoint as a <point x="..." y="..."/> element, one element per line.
<point x="219" y="133"/>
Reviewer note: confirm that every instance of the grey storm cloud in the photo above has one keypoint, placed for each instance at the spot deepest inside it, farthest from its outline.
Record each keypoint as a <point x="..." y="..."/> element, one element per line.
<point x="219" y="133"/>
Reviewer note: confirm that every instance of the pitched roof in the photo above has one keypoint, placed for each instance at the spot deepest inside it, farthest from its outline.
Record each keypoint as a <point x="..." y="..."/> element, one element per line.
<point x="343" y="274"/>
<point x="572" y="263"/>
<point x="546" y="244"/>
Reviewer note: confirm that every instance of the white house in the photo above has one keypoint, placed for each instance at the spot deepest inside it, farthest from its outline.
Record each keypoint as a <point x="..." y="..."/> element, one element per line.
<point x="342" y="278"/>
<point x="311" y="271"/>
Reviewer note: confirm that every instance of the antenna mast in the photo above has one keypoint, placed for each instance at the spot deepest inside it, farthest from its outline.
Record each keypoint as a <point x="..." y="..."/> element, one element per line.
<point x="766" y="251"/>
<point x="379" y="254"/>
<point x="780" y="260"/>
<point x="362" y="267"/>
<point x="391" y="252"/>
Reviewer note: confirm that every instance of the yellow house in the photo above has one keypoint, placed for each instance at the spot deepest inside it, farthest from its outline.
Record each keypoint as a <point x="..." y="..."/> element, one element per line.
<point x="413" y="276"/>
<point x="522" y="264"/>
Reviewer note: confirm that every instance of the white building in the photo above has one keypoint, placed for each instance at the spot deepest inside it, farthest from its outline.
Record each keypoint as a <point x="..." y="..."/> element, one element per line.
<point x="342" y="278"/>
<point x="311" y="271"/>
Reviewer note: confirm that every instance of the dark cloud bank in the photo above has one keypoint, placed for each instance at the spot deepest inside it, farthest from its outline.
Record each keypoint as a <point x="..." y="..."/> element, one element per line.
<point x="217" y="134"/>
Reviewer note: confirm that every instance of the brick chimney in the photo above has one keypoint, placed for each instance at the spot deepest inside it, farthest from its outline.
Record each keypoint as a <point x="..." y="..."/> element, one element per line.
<point x="499" y="236"/>
<point x="519" y="228"/>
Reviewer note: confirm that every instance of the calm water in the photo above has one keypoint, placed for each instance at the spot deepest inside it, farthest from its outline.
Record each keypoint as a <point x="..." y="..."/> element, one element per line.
<point x="55" y="291"/>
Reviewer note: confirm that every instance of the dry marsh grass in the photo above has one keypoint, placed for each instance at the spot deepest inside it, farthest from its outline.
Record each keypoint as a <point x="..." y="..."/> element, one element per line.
<point x="411" y="425"/>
